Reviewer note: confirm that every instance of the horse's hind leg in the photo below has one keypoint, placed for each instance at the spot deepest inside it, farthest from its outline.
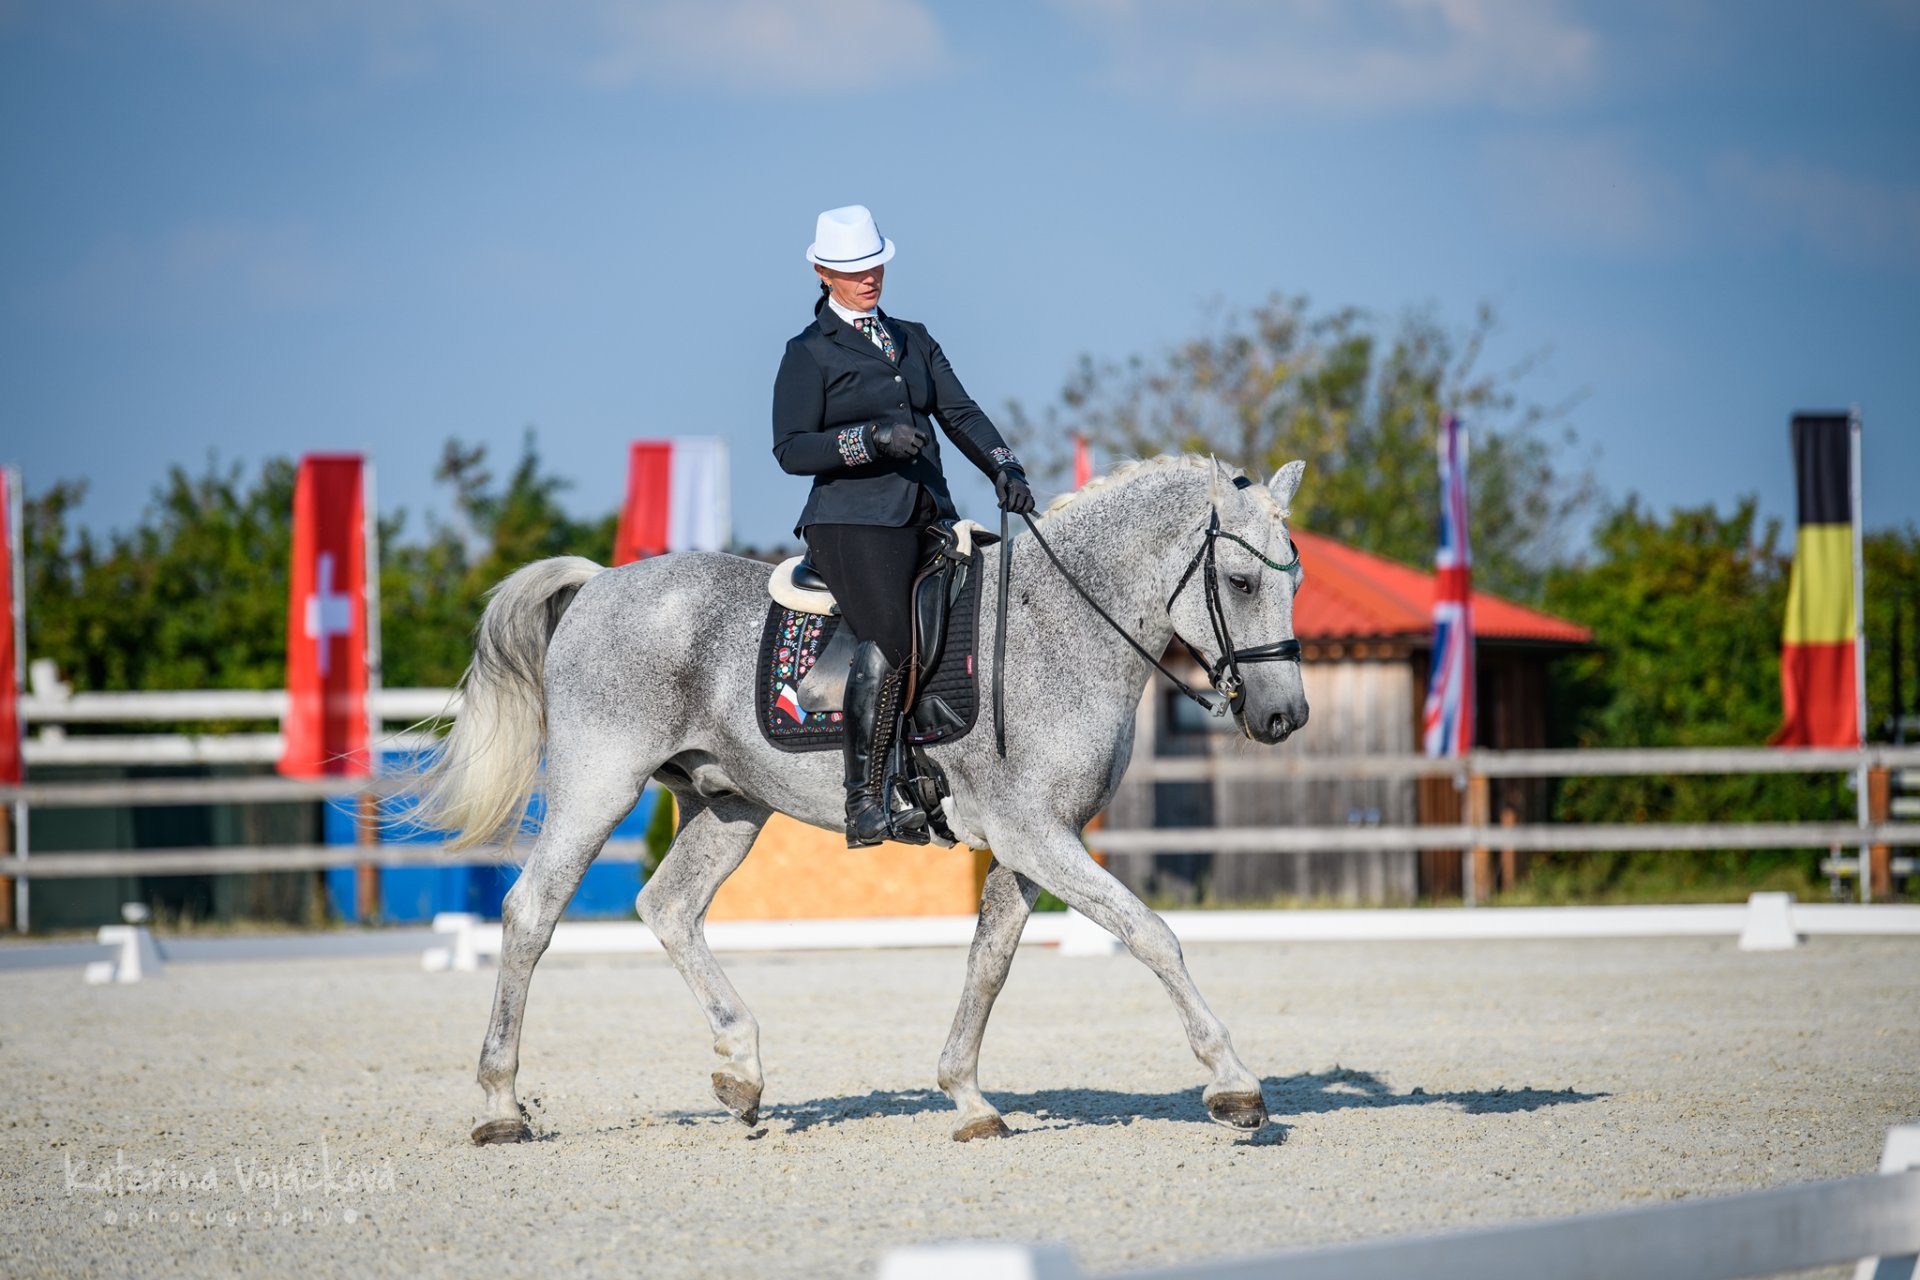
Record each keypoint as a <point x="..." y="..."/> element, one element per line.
<point x="1005" y="903"/>
<point x="715" y="835"/>
<point x="577" y="825"/>
<point x="1059" y="862"/>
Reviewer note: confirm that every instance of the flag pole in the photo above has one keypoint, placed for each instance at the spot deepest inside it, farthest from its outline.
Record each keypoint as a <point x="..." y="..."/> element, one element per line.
<point x="1861" y="787"/>
<point x="366" y="875"/>
<point x="15" y="518"/>
<point x="370" y="516"/>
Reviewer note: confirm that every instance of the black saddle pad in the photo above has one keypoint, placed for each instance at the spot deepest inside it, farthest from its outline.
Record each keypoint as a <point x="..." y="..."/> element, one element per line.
<point x="792" y="641"/>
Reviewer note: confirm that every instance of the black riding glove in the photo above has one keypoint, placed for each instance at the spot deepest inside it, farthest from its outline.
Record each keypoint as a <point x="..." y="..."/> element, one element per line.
<point x="1010" y="487"/>
<point x="897" y="440"/>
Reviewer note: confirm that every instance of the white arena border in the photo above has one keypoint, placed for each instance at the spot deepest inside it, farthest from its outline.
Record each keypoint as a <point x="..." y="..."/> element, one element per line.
<point x="1871" y="1221"/>
<point x="1765" y="922"/>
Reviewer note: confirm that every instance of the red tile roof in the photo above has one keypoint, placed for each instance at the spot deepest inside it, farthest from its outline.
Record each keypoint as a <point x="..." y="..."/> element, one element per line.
<point x="1350" y="594"/>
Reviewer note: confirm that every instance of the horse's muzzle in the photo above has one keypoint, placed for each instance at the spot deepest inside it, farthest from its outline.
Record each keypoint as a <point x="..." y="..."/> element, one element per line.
<point x="1281" y="725"/>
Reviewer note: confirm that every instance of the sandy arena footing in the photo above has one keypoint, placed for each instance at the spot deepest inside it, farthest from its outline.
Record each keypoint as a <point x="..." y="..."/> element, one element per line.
<point x="312" y="1116"/>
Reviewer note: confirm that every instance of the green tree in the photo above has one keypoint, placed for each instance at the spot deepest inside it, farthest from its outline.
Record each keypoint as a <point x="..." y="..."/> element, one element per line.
<point x="1362" y="407"/>
<point x="1686" y="612"/>
<point x="194" y="596"/>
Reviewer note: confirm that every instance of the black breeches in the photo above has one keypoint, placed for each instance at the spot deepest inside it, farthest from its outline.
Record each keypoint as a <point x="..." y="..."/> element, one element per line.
<point x="871" y="568"/>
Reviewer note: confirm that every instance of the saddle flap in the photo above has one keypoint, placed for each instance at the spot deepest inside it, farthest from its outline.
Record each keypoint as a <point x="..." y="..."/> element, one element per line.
<point x="792" y="586"/>
<point x="824" y="687"/>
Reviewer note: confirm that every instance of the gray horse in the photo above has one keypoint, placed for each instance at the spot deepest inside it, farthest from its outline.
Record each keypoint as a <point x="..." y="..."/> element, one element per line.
<point x="647" y="671"/>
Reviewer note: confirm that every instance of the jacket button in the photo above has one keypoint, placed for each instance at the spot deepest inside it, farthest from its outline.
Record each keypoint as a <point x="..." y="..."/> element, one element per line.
<point x="896" y="377"/>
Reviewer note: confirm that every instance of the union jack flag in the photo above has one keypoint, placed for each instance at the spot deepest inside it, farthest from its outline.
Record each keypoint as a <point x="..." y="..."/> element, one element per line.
<point x="1447" y="726"/>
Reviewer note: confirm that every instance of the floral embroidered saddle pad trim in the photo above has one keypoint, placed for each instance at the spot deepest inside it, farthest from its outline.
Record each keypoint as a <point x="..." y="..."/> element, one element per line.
<point x="798" y="706"/>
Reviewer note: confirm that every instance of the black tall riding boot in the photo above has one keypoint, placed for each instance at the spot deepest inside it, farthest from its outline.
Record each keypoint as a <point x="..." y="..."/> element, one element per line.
<point x="869" y="730"/>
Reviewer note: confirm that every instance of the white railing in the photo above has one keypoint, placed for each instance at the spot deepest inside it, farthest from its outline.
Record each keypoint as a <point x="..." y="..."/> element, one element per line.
<point x="1873" y="1221"/>
<point x="52" y="712"/>
<point x="50" y="746"/>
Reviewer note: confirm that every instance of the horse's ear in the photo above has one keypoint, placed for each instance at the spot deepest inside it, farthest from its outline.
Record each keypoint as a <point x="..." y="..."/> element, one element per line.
<point x="1284" y="483"/>
<point x="1220" y="474"/>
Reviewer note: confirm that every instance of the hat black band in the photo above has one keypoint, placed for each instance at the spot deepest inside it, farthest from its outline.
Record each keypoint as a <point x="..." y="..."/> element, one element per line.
<point x="856" y="257"/>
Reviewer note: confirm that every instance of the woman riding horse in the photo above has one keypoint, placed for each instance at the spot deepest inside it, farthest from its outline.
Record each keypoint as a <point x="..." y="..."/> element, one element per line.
<point x="851" y="408"/>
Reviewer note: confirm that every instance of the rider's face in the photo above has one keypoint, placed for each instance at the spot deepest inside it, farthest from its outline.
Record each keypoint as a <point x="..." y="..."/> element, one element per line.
<point x="855" y="290"/>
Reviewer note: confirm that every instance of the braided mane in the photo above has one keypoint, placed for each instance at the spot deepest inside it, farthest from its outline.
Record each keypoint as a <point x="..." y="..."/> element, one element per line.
<point x="1128" y="468"/>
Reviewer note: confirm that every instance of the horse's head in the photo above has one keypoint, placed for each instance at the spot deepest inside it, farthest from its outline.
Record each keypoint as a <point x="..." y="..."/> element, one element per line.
<point x="1243" y="622"/>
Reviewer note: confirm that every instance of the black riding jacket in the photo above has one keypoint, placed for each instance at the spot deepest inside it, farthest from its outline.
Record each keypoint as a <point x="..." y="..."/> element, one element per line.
<point x="834" y="382"/>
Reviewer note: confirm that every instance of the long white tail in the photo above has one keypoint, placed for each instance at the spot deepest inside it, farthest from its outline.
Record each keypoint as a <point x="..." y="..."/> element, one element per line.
<point x="478" y="786"/>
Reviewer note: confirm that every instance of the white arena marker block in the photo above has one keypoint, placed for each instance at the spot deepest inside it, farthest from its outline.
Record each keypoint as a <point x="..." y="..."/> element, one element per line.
<point x="138" y="958"/>
<point x="464" y="955"/>
<point x="979" y="1260"/>
<point x="1769" y="924"/>
<point x="1080" y="936"/>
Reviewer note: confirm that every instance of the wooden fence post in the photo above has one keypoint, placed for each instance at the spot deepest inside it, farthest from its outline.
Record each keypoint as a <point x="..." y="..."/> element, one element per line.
<point x="1480" y="857"/>
<point x="1512" y="865"/>
<point x="366" y="875"/>
<point x="1879" y="869"/>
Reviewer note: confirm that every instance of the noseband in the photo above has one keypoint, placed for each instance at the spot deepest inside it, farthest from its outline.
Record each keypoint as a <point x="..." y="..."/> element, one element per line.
<point x="1228" y="688"/>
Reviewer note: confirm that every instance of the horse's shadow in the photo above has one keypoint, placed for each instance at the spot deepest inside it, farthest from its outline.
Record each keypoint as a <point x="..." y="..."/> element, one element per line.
<point x="1308" y="1093"/>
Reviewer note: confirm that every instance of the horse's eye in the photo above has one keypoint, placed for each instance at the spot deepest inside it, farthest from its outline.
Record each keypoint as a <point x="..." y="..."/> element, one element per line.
<point x="1241" y="583"/>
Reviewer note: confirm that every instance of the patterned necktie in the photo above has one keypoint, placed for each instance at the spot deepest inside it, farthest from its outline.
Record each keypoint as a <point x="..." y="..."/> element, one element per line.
<point x="878" y="335"/>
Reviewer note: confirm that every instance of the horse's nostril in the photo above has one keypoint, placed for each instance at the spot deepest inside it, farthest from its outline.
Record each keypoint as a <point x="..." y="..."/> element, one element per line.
<point x="1279" y="726"/>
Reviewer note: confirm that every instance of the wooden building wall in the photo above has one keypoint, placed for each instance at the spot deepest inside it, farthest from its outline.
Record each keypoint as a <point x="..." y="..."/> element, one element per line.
<point x="1358" y="706"/>
<point x="1365" y="699"/>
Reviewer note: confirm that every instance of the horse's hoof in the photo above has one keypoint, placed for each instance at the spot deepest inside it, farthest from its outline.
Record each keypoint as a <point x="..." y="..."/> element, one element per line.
<point x="490" y="1132"/>
<point x="738" y="1097"/>
<point x="1238" y="1110"/>
<point x="984" y="1127"/>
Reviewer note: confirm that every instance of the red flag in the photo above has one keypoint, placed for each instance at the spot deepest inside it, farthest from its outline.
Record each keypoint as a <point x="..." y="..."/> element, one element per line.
<point x="677" y="498"/>
<point x="10" y="606"/>
<point x="1082" y="461"/>
<point x="643" y="520"/>
<point x="326" y="724"/>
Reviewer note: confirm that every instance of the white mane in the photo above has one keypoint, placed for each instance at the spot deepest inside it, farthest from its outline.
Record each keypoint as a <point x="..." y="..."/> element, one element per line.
<point x="1128" y="468"/>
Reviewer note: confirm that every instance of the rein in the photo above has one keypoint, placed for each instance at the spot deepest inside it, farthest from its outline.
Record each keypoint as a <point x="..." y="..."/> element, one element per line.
<point x="1224" y="675"/>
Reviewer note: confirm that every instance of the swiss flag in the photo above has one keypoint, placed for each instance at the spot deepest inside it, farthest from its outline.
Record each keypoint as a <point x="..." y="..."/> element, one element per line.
<point x="326" y="724"/>
<point x="9" y="656"/>
<point x="677" y="498"/>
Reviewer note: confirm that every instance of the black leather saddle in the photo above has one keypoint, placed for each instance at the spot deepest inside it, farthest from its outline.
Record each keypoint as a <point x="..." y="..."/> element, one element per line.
<point x="946" y="558"/>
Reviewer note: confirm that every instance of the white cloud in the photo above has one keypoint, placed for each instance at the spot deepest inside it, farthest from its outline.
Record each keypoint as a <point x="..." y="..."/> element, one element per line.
<point x="1853" y="220"/>
<point x="785" y="44"/>
<point x="734" y="45"/>
<point x="1345" y="55"/>
<point x="1590" y="192"/>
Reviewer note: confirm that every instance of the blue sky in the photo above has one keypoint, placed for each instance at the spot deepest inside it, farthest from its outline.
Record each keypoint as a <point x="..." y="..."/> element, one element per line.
<point x="247" y="228"/>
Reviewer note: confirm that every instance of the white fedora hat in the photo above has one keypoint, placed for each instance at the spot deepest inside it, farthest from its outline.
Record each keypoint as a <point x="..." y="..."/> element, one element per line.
<point x="845" y="239"/>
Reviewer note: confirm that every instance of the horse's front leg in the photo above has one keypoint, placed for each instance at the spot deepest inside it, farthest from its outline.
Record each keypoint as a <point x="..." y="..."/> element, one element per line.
<point x="1060" y="864"/>
<point x="1006" y="900"/>
<point x="714" y="839"/>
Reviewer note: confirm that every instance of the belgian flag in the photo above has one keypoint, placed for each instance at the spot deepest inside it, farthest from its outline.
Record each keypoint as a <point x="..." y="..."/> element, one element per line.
<point x="1818" y="649"/>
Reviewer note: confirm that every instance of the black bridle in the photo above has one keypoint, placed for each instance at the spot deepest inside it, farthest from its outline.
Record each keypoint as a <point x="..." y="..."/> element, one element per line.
<point x="1223" y="674"/>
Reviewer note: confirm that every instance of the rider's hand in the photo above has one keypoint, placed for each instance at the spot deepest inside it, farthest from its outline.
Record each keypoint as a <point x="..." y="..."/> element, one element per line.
<point x="898" y="440"/>
<point x="1010" y="487"/>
